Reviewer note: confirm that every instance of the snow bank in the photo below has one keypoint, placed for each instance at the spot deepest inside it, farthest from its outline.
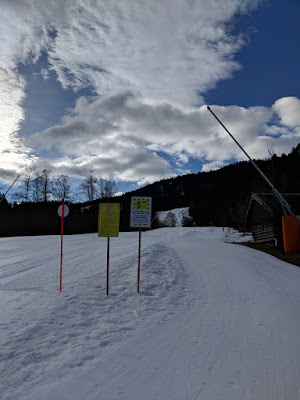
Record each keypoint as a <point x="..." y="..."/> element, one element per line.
<point x="233" y="236"/>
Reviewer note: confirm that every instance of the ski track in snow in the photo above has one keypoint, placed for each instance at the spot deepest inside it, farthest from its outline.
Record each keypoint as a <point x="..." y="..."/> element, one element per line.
<point x="213" y="320"/>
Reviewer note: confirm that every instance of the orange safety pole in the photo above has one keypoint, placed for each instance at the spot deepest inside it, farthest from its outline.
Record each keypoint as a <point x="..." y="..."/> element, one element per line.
<point x="61" y="244"/>
<point x="139" y="261"/>
<point x="291" y="233"/>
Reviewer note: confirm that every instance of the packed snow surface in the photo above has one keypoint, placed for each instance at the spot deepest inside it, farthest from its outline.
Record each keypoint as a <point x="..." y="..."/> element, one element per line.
<point x="213" y="320"/>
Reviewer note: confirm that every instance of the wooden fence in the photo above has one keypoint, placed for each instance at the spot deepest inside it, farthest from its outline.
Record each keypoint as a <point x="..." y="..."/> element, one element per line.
<point x="265" y="233"/>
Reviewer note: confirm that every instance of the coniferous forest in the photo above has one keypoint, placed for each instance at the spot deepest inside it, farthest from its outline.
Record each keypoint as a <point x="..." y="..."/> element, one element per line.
<point x="217" y="198"/>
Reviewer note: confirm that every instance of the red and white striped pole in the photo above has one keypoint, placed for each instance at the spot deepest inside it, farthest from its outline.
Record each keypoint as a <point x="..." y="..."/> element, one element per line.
<point x="107" y="268"/>
<point x="139" y="261"/>
<point x="61" y="242"/>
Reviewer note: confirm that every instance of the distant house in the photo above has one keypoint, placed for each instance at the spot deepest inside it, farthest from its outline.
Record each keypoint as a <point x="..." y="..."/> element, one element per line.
<point x="264" y="213"/>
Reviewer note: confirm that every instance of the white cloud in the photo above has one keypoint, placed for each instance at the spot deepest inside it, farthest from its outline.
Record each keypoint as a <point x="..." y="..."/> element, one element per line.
<point x="13" y="152"/>
<point x="118" y="194"/>
<point x="45" y="74"/>
<point x="149" y="64"/>
<point x="213" y="165"/>
<point x="276" y="130"/>
<point x="17" y="42"/>
<point x="121" y="135"/>
<point x="288" y="109"/>
<point x="165" y="50"/>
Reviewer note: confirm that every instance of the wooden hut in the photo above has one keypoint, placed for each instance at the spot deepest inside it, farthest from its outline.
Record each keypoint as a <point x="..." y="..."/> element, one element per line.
<point x="264" y="214"/>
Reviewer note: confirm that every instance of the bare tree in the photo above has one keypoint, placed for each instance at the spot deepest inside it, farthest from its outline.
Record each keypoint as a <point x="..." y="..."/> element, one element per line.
<point x="271" y="152"/>
<point x="61" y="188"/>
<point x="107" y="187"/>
<point x="89" y="186"/>
<point x="41" y="186"/>
<point x="36" y="187"/>
<point x="45" y="184"/>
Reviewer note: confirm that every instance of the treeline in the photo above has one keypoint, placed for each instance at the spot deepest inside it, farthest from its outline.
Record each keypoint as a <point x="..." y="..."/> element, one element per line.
<point x="38" y="186"/>
<point x="221" y="197"/>
<point x="29" y="218"/>
<point x="217" y="198"/>
<point x="35" y="204"/>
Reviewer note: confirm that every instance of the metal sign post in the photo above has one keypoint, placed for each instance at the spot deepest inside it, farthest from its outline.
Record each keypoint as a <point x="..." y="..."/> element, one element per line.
<point x="140" y="217"/>
<point x="63" y="211"/>
<point x="108" y="226"/>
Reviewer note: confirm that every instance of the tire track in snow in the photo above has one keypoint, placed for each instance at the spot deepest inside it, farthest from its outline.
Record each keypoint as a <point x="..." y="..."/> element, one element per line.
<point x="170" y="339"/>
<point x="68" y="324"/>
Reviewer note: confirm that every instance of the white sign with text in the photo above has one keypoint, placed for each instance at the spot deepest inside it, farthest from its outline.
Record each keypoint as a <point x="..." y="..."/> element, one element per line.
<point x="140" y="212"/>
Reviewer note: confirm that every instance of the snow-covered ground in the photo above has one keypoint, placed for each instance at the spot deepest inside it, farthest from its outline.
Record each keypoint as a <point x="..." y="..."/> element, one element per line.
<point x="213" y="320"/>
<point x="179" y="214"/>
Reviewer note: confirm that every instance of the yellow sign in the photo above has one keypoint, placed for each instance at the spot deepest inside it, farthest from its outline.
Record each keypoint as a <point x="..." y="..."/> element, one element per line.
<point x="108" y="219"/>
<point x="140" y="204"/>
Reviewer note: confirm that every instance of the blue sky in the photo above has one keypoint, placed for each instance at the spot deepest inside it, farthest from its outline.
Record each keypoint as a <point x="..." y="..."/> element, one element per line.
<point x="121" y="88"/>
<point x="270" y="62"/>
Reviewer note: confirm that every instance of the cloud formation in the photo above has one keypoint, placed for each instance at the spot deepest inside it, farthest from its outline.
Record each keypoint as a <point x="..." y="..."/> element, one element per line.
<point x="148" y="66"/>
<point x="288" y="109"/>
<point x="13" y="152"/>
<point x="164" y="50"/>
<point x="124" y="136"/>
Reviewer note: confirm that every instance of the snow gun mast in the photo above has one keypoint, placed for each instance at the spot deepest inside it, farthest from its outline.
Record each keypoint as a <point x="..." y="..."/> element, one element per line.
<point x="284" y="204"/>
<point x="3" y="195"/>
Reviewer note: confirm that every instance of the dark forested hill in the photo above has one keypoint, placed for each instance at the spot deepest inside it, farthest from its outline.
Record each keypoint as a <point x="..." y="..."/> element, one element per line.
<point x="218" y="197"/>
<point x="221" y="197"/>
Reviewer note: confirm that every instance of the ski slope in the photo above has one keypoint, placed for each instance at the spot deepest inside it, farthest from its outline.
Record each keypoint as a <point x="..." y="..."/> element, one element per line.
<point x="213" y="320"/>
<point x="179" y="215"/>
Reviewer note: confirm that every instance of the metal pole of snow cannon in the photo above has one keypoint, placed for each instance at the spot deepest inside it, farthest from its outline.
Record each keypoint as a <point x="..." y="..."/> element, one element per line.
<point x="285" y="205"/>
<point x="3" y="196"/>
<point x="139" y="261"/>
<point x="61" y="242"/>
<point x="107" y="268"/>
